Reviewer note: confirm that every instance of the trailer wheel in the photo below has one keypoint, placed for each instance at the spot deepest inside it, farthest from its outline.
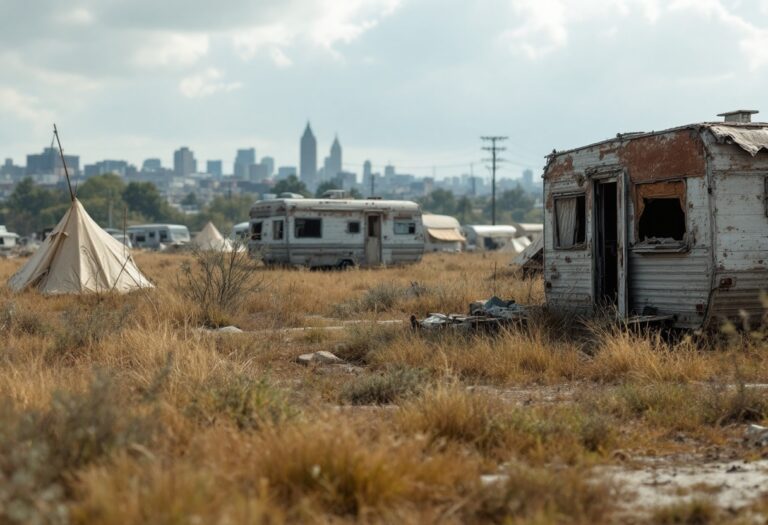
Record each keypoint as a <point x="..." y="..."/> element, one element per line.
<point x="346" y="264"/>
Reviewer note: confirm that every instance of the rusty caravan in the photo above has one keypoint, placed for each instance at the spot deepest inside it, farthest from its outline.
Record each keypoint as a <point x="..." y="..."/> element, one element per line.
<point x="669" y="225"/>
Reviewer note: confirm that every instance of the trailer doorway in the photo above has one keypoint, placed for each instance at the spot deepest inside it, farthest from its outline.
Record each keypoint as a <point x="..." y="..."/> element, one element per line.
<point x="606" y="244"/>
<point x="373" y="240"/>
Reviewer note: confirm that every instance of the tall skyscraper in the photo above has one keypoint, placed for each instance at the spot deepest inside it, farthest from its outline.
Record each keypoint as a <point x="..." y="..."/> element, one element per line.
<point x="334" y="165"/>
<point x="214" y="167"/>
<point x="308" y="159"/>
<point x="269" y="162"/>
<point x="184" y="162"/>
<point x="243" y="161"/>
<point x="49" y="163"/>
<point x="151" y="165"/>
<point x="527" y="178"/>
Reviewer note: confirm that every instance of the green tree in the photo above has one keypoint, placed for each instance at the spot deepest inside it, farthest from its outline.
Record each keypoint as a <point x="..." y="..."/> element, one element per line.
<point x="31" y="208"/>
<point x="513" y="204"/>
<point x="143" y="198"/>
<point x="292" y="184"/>
<point x="190" y="199"/>
<point x="102" y="196"/>
<point x="440" y="201"/>
<point x="326" y="186"/>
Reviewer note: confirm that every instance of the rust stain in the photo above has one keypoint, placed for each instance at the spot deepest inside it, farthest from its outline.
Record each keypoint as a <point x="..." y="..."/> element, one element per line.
<point x="607" y="150"/>
<point x="559" y="167"/>
<point x="673" y="155"/>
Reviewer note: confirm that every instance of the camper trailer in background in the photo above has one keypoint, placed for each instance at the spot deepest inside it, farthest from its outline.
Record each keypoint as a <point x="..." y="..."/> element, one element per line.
<point x="443" y="233"/>
<point x="668" y="225"/>
<point x="158" y="236"/>
<point x="8" y="239"/>
<point x="333" y="232"/>
<point x="482" y="237"/>
<point x="240" y="232"/>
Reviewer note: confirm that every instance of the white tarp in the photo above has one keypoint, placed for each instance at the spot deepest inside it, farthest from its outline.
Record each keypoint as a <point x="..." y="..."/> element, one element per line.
<point x="77" y="257"/>
<point x="210" y="238"/>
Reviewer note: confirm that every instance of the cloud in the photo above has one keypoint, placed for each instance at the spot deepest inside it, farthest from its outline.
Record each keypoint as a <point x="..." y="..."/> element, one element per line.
<point x="80" y="16"/>
<point x="172" y="49"/>
<point x="206" y="83"/>
<point x="25" y="108"/>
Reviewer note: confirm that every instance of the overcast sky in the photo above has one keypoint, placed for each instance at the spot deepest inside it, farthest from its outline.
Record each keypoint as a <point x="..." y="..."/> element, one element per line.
<point x="412" y="82"/>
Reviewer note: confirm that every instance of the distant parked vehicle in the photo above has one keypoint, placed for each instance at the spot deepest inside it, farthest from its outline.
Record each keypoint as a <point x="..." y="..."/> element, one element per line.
<point x="240" y="231"/>
<point x="158" y="236"/>
<point x="125" y="239"/>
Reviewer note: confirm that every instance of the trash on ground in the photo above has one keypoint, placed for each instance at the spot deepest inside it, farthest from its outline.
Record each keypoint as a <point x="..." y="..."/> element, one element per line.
<point x="488" y="315"/>
<point x="322" y="357"/>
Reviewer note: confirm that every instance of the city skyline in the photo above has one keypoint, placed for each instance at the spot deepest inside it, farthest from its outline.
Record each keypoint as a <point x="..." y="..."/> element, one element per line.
<point x="138" y="80"/>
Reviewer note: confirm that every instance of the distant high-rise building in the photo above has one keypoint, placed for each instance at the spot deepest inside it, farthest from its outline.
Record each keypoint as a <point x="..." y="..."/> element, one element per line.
<point x="118" y="167"/>
<point x="11" y="170"/>
<point x="257" y="172"/>
<point x="283" y="172"/>
<point x="151" y="165"/>
<point x="367" y="176"/>
<point x="527" y="178"/>
<point x="243" y="161"/>
<point x="214" y="167"/>
<point x="49" y="163"/>
<point x="389" y="170"/>
<point x="333" y="163"/>
<point x="269" y="162"/>
<point x="308" y="158"/>
<point x="184" y="162"/>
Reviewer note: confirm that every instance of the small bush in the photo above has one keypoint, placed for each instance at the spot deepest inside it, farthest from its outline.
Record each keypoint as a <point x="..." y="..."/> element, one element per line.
<point x="382" y="297"/>
<point x="695" y="512"/>
<point x="364" y="339"/>
<point x="84" y="327"/>
<point x="537" y="495"/>
<point x="219" y="282"/>
<point x="383" y="388"/>
<point x="248" y="402"/>
<point x="27" y="322"/>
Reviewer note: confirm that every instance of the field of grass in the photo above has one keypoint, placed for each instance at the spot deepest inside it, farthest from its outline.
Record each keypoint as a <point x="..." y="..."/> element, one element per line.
<point x="127" y="409"/>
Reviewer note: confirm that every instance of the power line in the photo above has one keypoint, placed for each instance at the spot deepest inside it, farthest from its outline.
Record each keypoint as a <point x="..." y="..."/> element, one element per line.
<point x="494" y="149"/>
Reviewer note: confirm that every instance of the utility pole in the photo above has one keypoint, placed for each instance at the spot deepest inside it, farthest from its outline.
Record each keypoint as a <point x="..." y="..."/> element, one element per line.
<point x="495" y="159"/>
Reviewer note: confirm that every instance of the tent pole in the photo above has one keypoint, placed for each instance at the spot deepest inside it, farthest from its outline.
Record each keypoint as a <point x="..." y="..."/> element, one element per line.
<point x="63" y="162"/>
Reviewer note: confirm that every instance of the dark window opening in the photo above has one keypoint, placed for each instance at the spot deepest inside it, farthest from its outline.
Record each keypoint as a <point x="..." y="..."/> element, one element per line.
<point x="308" y="228"/>
<point x="353" y="227"/>
<point x="151" y="235"/>
<point x="2" y="241"/>
<point x="277" y="230"/>
<point x="570" y="221"/>
<point x="662" y="219"/>
<point x="405" y="228"/>
<point x="256" y="231"/>
<point x="141" y="238"/>
<point x="163" y="236"/>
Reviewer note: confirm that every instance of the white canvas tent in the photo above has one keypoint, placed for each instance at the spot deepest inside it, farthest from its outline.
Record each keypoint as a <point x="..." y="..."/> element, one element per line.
<point x="209" y="238"/>
<point x="77" y="257"/>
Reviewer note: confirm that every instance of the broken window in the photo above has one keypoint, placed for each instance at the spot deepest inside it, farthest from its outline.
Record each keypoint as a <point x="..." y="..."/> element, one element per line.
<point x="277" y="230"/>
<point x="570" y="221"/>
<point x="660" y="211"/>
<point x="353" y="227"/>
<point x="405" y="228"/>
<point x="308" y="228"/>
<point x="256" y="231"/>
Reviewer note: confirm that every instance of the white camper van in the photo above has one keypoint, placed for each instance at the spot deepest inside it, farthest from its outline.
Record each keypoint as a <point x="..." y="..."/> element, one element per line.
<point x="335" y="232"/>
<point x="156" y="236"/>
<point x="8" y="239"/>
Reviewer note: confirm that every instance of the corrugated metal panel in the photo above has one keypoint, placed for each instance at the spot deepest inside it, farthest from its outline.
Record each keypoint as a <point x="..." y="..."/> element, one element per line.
<point x="743" y="295"/>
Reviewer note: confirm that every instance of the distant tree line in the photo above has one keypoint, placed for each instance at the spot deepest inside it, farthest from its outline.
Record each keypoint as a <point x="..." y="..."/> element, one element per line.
<point x="511" y="205"/>
<point x="32" y="208"/>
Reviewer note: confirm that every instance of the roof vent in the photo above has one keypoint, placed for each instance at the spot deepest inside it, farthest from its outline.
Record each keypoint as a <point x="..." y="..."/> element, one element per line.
<point x="742" y="116"/>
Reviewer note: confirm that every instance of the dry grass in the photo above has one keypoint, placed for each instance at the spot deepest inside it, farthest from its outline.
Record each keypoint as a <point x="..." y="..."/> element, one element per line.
<point x="121" y="409"/>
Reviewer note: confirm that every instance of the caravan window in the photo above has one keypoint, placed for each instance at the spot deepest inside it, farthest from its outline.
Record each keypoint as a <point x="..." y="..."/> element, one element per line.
<point x="140" y="237"/>
<point x="256" y="231"/>
<point x="277" y="230"/>
<point x="163" y="236"/>
<point x="405" y="228"/>
<point x="570" y="221"/>
<point x="660" y="210"/>
<point x="308" y="228"/>
<point x="353" y="227"/>
<point x="151" y="235"/>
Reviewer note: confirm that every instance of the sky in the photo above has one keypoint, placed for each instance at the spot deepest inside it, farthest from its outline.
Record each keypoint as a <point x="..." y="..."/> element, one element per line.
<point x="414" y="83"/>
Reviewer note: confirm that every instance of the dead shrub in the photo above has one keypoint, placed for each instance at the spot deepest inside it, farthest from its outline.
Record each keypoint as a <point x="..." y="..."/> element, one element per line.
<point x="382" y="297"/>
<point x="219" y="282"/>
<point x="83" y="328"/>
<point x="40" y="450"/>
<point x="536" y="495"/>
<point x="385" y="387"/>
<point x="364" y="339"/>
<point x="695" y="512"/>
<point x="248" y="402"/>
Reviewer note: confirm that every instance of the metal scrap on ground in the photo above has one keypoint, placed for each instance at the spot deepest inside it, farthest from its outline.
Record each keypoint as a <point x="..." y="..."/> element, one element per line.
<point x="488" y="316"/>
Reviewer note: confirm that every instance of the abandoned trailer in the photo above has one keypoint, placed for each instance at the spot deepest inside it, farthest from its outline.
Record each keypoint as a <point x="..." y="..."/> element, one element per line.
<point x="668" y="225"/>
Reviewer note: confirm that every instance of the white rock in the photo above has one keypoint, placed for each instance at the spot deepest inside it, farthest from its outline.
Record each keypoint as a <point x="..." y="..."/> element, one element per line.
<point x="229" y="330"/>
<point x="320" y="358"/>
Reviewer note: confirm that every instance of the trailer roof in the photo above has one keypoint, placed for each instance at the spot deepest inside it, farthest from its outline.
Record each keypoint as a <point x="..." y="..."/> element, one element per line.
<point x="340" y="204"/>
<point x="750" y="136"/>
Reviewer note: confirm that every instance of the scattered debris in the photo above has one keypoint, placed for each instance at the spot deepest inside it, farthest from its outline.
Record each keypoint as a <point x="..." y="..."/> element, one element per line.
<point x="756" y="436"/>
<point x="229" y="330"/>
<point x="322" y="357"/>
<point x="487" y="315"/>
<point x="493" y="479"/>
